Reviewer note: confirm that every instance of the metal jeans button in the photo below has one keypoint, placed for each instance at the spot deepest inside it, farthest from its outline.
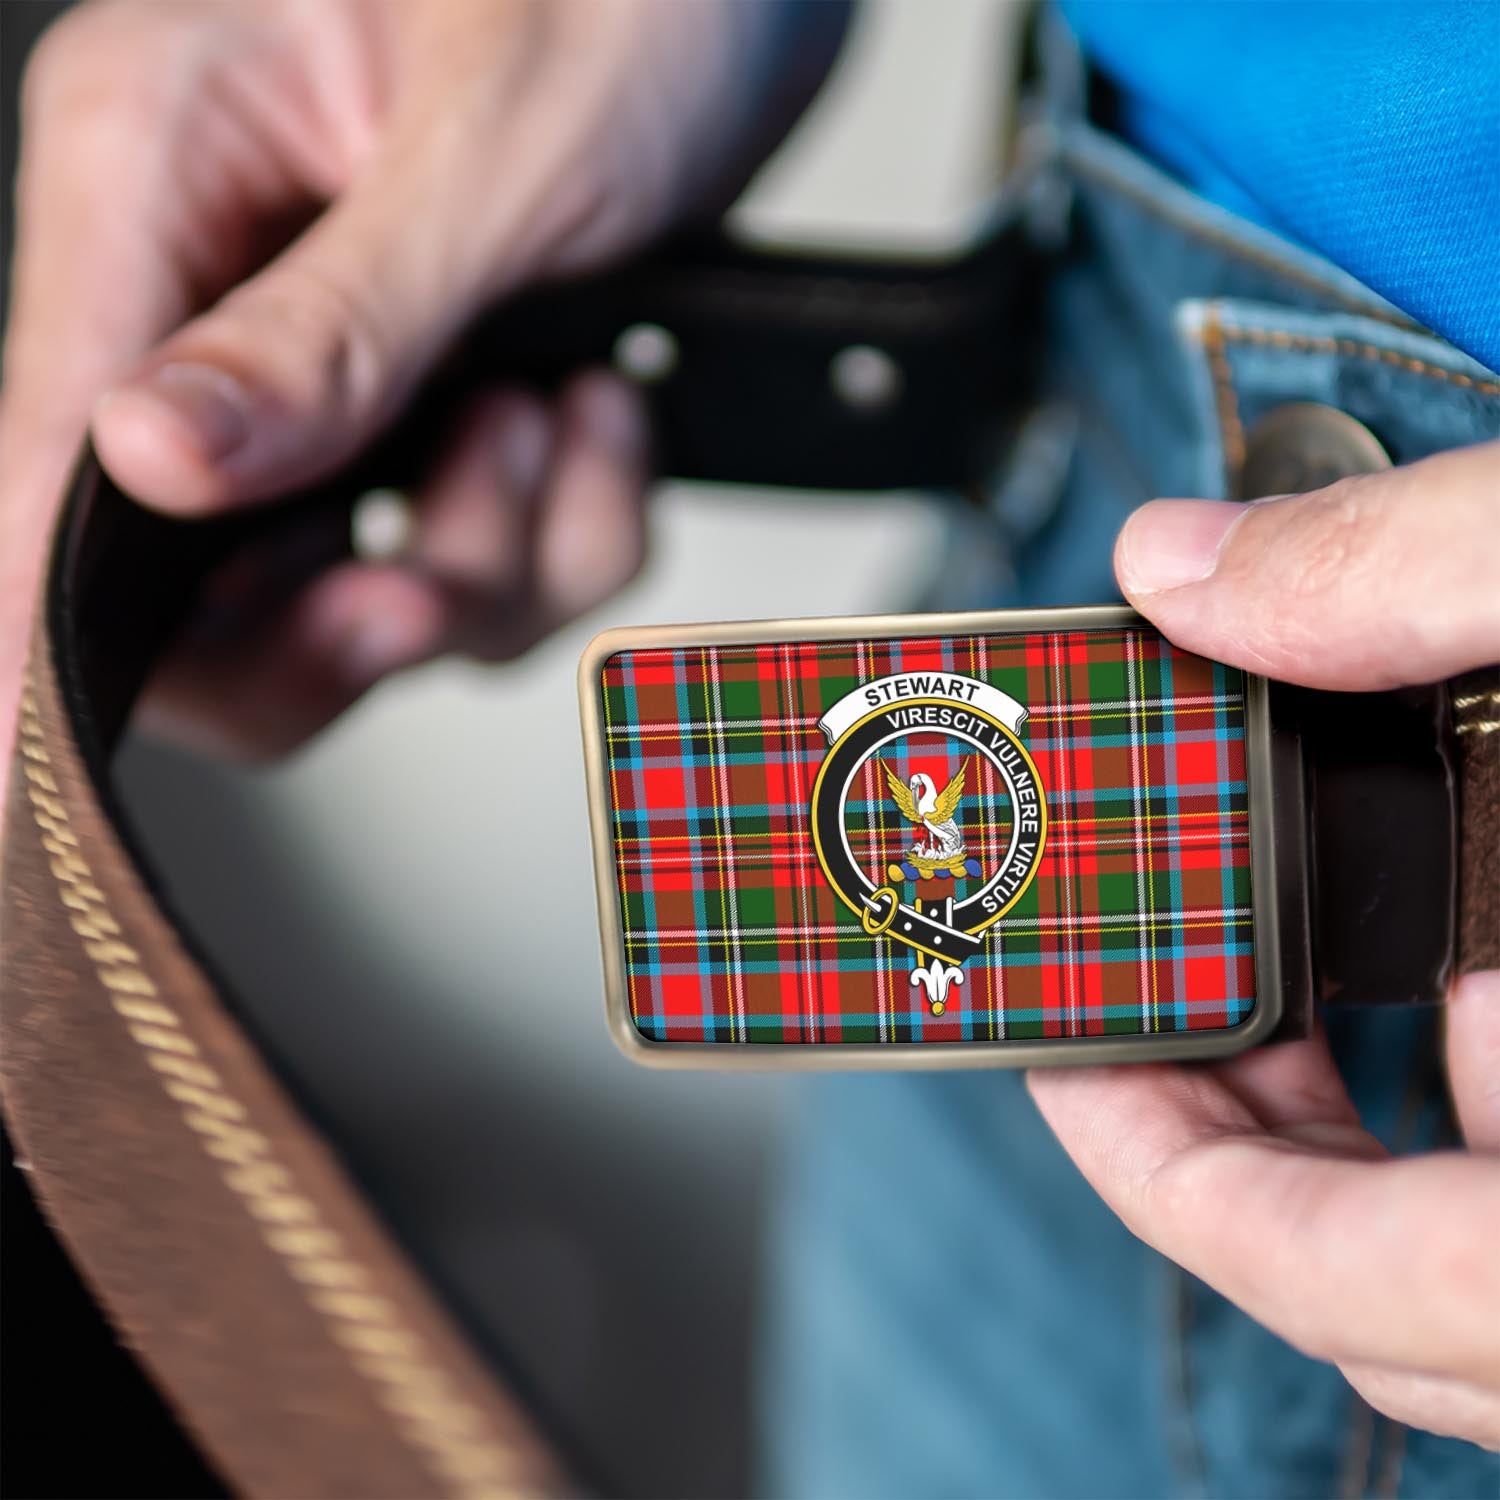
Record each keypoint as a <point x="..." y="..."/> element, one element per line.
<point x="1303" y="446"/>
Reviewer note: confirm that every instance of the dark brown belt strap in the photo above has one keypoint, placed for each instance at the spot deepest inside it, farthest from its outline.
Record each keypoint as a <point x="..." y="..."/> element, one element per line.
<point x="1476" y="728"/>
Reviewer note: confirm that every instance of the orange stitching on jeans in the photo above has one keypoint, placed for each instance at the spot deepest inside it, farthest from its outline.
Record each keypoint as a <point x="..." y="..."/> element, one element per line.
<point x="1276" y="338"/>
<point x="445" y="1429"/>
<point x="1226" y="402"/>
<point x="1213" y="334"/>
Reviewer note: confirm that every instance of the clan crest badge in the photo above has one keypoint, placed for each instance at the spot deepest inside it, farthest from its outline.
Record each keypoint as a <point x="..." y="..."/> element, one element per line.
<point x="928" y="816"/>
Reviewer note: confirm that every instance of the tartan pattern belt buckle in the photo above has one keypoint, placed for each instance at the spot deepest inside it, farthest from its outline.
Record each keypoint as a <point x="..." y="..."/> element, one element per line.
<point x="1007" y="838"/>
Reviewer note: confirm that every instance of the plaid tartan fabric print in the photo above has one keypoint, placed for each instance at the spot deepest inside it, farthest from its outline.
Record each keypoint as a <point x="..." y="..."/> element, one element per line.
<point x="1138" y="918"/>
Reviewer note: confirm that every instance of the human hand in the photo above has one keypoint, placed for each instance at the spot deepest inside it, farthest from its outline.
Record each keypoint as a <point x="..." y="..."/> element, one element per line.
<point x="247" y="229"/>
<point x="1255" y="1174"/>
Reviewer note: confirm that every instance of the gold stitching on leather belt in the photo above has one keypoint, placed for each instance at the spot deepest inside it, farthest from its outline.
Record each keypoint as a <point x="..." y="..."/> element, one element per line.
<point x="1476" y="725"/>
<point x="445" y="1429"/>
<point x="1473" y="700"/>
<point x="1231" y="429"/>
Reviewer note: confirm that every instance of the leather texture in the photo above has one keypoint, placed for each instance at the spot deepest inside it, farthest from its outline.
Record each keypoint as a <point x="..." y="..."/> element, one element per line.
<point x="232" y="1251"/>
<point x="228" y="1244"/>
<point x="1476" y="728"/>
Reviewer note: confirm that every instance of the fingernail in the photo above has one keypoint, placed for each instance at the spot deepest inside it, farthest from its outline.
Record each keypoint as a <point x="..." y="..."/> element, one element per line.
<point x="211" y="406"/>
<point x="612" y="413"/>
<point x="378" y="645"/>
<point x="521" y="448"/>
<point x="1170" y="543"/>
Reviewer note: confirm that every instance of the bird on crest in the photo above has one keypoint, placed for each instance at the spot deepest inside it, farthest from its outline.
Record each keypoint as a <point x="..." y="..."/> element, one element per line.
<point x="921" y="803"/>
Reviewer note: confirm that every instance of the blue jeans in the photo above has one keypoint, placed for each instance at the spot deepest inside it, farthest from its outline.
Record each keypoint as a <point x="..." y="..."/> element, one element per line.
<point x="951" y="1310"/>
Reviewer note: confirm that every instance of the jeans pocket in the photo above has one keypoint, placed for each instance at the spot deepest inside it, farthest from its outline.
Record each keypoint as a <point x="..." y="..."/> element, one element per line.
<point x="1416" y="394"/>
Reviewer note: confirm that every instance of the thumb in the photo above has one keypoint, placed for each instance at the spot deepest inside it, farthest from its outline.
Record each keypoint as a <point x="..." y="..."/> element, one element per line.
<point x="1473" y="1046"/>
<point x="1378" y="581"/>
<point x="294" y="369"/>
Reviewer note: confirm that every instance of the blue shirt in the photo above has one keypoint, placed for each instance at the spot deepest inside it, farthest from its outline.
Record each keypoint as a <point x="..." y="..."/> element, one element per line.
<point x="1367" y="131"/>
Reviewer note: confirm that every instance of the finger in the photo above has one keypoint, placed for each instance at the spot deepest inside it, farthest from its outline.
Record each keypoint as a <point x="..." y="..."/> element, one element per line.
<point x="1297" y="1091"/>
<point x="70" y="328"/>
<point x="591" y="533"/>
<point x="496" y="563"/>
<point x="138" y="194"/>
<point x="1349" y="1259"/>
<point x="203" y="179"/>
<point x="1472" y="1018"/>
<point x="516" y="567"/>
<point x="1377" y="581"/>
<point x="294" y="370"/>
<point x="475" y="514"/>
<point x="284" y="379"/>
<point x="272" y="689"/>
<point x="1451" y="1408"/>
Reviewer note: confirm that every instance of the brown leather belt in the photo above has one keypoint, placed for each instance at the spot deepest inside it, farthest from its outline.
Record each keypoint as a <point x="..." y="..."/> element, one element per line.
<point x="231" y="1247"/>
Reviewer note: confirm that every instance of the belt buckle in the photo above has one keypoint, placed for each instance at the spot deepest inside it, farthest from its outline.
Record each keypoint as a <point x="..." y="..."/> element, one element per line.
<point x="993" y="839"/>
